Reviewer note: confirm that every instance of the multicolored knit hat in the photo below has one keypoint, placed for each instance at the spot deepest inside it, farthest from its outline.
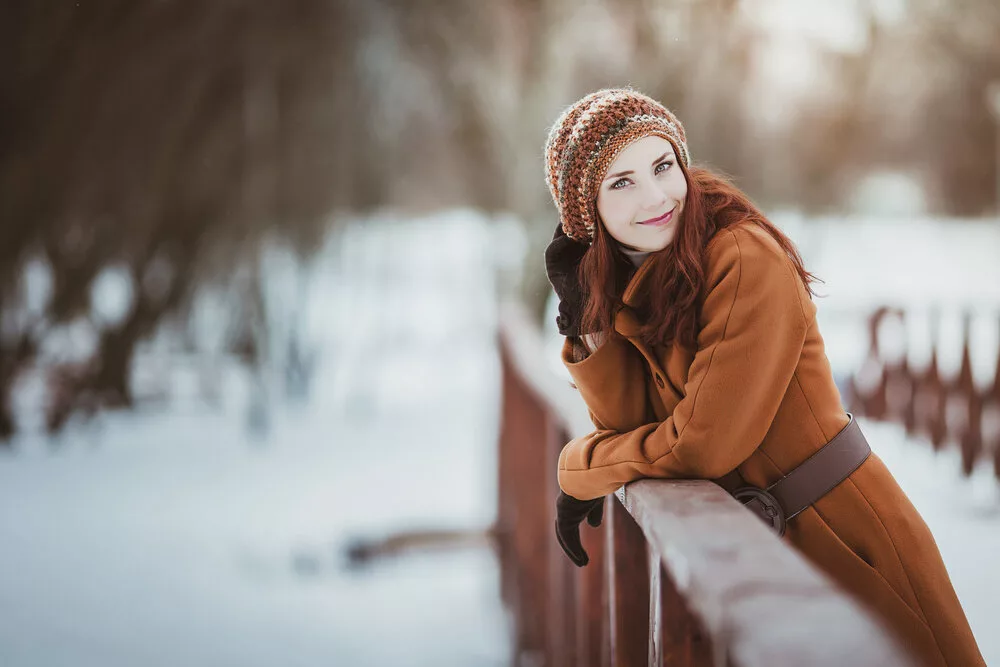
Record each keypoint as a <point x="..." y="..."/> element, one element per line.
<point x="586" y="139"/>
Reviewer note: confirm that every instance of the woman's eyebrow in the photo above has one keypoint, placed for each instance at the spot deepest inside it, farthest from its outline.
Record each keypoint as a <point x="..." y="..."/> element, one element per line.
<point x="629" y="171"/>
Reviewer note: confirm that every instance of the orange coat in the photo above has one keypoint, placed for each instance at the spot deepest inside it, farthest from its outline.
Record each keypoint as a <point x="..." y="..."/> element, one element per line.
<point x="758" y="394"/>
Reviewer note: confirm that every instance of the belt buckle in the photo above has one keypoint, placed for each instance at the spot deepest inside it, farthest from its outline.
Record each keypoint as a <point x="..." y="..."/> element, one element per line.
<point x="763" y="504"/>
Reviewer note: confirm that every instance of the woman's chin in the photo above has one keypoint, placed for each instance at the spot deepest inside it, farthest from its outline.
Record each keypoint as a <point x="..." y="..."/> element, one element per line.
<point x="654" y="244"/>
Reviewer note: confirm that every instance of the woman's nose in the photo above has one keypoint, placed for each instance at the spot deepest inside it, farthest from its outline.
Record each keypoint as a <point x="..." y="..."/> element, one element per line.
<point x="653" y="199"/>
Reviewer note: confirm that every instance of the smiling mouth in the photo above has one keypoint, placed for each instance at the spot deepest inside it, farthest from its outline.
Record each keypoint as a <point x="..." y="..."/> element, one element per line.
<point x="662" y="220"/>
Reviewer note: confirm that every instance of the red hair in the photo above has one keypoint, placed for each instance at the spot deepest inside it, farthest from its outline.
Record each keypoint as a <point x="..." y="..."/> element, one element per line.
<point x="669" y="309"/>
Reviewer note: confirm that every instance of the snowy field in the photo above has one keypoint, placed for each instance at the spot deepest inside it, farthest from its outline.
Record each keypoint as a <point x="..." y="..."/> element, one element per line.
<point x="172" y="536"/>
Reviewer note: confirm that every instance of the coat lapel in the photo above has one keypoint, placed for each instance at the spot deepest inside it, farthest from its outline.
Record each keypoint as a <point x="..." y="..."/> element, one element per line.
<point x="627" y="324"/>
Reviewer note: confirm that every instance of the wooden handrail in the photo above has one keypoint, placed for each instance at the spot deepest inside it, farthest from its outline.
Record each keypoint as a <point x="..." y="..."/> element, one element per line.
<point x="680" y="573"/>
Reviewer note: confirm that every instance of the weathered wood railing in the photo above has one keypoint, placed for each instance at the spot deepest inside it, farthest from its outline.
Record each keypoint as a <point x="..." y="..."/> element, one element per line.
<point x="680" y="573"/>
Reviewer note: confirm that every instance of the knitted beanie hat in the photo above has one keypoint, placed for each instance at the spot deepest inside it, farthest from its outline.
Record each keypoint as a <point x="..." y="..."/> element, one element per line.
<point x="586" y="139"/>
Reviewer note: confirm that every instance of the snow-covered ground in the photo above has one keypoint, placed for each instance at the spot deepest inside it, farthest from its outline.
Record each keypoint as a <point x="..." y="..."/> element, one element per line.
<point x="173" y="538"/>
<point x="169" y="536"/>
<point x="931" y="268"/>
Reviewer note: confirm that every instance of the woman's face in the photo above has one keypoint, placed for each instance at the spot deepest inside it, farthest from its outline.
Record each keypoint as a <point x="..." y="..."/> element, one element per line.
<point x="642" y="196"/>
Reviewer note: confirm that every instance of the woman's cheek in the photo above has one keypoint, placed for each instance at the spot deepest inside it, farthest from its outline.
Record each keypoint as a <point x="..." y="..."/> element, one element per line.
<point x="618" y="215"/>
<point x="682" y="189"/>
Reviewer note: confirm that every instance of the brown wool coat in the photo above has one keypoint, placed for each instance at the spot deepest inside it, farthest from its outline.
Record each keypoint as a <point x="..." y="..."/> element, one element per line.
<point x="759" y="395"/>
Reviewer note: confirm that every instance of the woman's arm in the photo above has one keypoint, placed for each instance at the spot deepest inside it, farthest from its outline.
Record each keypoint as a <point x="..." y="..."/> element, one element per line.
<point x="611" y="380"/>
<point x="753" y="324"/>
<point x="607" y="369"/>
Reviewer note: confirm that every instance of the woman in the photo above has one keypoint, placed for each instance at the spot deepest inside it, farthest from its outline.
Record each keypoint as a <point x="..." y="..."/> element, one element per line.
<point x="691" y="334"/>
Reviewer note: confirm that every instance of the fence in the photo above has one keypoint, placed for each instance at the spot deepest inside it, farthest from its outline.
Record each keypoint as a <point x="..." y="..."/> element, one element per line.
<point x="945" y="410"/>
<point x="680" y="573"/>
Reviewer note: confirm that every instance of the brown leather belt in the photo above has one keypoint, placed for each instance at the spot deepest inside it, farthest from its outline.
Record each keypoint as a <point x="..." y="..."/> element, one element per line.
<point x="808" y="482"/>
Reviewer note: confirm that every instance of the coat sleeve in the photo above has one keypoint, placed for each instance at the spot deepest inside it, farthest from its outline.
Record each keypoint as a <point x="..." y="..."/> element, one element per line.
<point x="611" y="382"/>
<point x="752" y="328"/>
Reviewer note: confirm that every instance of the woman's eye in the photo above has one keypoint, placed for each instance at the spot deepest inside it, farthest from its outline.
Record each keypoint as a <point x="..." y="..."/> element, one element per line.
<point x="666" y="164"/>
<point x="619" y="184"/>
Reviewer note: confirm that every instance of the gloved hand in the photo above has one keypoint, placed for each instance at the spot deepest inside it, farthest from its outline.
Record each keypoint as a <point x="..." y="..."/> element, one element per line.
<point x="570" y="513"/>
<point x="562" y="257"/>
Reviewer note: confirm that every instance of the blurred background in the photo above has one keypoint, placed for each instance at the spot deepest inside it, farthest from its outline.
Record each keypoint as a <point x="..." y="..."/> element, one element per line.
<point x="250" y="262"/>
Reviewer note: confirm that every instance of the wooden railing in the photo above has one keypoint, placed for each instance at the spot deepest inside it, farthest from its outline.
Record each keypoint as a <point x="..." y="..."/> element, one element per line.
<point x="680" y="573"/>
<point x="944" y="410"/>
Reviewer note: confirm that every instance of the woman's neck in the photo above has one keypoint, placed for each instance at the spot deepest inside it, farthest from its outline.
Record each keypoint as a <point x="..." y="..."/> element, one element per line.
<point x="637" y="257"/>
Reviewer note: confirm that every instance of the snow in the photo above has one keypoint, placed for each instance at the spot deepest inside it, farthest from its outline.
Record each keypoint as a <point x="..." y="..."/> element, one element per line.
<point x="172" y="535"/>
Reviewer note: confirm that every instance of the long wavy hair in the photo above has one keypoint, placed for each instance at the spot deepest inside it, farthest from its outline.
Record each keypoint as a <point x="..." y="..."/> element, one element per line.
<point x="669" y="309"/>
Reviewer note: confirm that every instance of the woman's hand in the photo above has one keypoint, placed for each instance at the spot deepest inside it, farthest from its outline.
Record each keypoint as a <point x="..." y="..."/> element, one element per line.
<point x="562" y="259"/>
<point x="570" y="513"/>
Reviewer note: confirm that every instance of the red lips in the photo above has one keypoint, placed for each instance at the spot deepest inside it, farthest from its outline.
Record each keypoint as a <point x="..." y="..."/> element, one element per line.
<point x="662" y="220"/>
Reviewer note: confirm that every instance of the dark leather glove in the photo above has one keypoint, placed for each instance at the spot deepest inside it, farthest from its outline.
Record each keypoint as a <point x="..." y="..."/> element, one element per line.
<point x="570" y="513"/>
<point x="562" y="257"/>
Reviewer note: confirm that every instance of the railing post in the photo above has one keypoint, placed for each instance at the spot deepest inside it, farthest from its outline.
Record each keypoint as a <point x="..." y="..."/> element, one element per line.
<point x="523" y="489"/>
<point x="630" y="584"/>
<point x="683" y="640"/>
<point x="593" y="646"/>
<point x="676" y="637"/>
<point x="563" y="600"/>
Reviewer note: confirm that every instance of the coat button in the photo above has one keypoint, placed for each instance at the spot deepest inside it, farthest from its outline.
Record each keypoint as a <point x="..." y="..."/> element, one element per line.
<point x="659" y="381"/>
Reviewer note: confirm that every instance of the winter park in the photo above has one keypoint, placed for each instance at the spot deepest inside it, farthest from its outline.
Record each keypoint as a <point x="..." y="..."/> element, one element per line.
<point x="520" y="334"/>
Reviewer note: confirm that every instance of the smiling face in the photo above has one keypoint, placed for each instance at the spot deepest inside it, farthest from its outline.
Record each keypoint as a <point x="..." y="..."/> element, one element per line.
<point x="641" y="197"/>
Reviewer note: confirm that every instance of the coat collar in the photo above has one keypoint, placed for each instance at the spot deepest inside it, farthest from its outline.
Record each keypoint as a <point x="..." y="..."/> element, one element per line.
<point x="626" y="322"/>
<point x="630" y="296"/>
